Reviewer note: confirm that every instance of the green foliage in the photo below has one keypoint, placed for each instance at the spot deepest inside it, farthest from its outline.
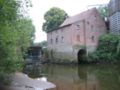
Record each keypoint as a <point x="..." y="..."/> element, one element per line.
<point x="108" y="48"/>
<point x="8" y="11"/>
<point x="24" y="6"/>
<point x="53" y="19"/>
<point x="46" y="53"/>
<point x="103" y="11"/>
<point x="15" y="36"/>
<point x="43" y="44"/>
<point x="25" y="31"/>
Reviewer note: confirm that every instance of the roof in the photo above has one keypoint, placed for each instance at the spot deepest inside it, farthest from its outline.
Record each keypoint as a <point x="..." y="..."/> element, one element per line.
<point x="82" y="16"/>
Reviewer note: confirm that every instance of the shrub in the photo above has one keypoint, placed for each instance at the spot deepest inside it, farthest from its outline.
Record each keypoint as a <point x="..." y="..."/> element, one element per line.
<point x="108" y="49"/>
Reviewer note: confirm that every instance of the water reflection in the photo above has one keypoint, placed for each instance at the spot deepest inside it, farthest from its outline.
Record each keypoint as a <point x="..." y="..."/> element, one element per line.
<point x="101" y="77"/>
<point x="89" y="80"/>
<point x="92" y="77"/>
<point x="33" y="71"/>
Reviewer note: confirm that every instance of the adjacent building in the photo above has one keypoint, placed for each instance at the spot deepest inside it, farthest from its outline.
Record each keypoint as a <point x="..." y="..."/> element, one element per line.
<point x="78" y="32"/>
<point x="114" y="16"/>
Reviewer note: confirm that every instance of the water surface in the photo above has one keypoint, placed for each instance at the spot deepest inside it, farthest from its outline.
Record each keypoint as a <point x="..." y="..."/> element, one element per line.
<point x="83" y="77"/>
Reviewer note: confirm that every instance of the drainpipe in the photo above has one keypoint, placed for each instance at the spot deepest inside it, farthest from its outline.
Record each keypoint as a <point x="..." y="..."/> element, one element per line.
<point x="84" y="30"/>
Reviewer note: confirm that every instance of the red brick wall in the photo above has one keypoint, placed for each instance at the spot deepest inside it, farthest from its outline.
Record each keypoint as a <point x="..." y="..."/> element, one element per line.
<point x="87" y="30"/>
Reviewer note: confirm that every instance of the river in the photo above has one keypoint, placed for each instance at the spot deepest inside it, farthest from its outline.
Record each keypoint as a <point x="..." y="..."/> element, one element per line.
<point x="82" y="77"/>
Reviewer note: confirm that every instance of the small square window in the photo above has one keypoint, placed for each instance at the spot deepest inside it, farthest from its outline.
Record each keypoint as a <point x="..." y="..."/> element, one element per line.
<point x="62" y="39"/>
<point x="87" y="22"/>
<point x="56" y="39"/>
<point x="91" y="27"/>
<point x="56" y="31"/>
<point x="61" y="30"/>
<point x="93" y="39"/>
<point x="51" y="41"/>
<point x="78" y="38"/>
<point x="78" y="27"/>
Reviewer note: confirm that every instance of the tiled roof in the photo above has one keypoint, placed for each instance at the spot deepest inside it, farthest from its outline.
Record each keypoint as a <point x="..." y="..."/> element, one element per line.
<point x="78" y="17"/>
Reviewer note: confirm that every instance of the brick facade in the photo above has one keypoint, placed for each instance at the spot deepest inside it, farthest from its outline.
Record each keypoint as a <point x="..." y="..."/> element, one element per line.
<point x="82" y="30"/>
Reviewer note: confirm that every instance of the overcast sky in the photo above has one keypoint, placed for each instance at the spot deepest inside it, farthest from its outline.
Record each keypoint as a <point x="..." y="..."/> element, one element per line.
<point x="71" y="7"/>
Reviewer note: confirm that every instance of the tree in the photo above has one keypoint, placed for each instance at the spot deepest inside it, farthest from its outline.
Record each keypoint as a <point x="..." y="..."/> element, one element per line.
<point x="24" y="6"/>
<point x="16" y="34"/>
<point x="25" y="32"/>
<point x="103" y="11"/>
<point x="108" y="49"/>
<point x="43" y="44"/>
<point x="53" y="19"/>
<point x="8" y="11"/>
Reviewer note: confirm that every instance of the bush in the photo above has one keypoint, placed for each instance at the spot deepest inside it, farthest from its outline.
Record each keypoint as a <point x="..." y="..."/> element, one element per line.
<point x="108" y="49"/>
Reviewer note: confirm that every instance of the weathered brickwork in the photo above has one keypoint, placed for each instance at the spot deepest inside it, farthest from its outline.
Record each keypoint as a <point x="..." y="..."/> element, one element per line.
<point x="82" y="30"/>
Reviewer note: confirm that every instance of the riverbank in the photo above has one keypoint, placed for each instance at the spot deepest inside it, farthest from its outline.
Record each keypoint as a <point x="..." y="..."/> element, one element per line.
<point x="20" y="81"/>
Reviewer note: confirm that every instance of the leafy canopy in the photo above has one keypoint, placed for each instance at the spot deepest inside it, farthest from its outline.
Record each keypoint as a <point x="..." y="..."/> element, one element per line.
<point x="53" y="19"/>
<point x="16" y="34"/>
<point x="108" y="48"/>
<point x="103" y="11"/>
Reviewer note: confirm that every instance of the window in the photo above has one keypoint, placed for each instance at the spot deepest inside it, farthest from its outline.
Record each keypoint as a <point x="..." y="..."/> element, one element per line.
<point x="87" y="22"/>
<point x="61" y="30"/>
<point x="78" y="38"/>
<point x="91" y="27"/>
<point x="51" y="41"/>
<point x="62" y="39"/>
<point x="93" y="38"/>
<point x="56" y="40"/>
<point x="56" y="31"/>
<point x="78" y="26"/>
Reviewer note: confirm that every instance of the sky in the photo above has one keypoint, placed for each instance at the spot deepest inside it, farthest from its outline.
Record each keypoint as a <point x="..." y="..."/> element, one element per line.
<point x="71" y="7"/>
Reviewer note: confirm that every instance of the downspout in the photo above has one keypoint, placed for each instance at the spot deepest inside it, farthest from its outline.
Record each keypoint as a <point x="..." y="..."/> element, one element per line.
<point x="84" y="30"/>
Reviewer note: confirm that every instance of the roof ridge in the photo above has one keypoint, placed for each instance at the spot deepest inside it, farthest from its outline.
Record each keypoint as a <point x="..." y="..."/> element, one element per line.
<point x="76" y="17"/>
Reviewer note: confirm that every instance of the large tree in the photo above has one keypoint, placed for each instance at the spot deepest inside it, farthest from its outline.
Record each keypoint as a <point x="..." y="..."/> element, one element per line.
<point x="53" y="18"/>
<point x="16" y="34"/>
<point x="25" y="32"/>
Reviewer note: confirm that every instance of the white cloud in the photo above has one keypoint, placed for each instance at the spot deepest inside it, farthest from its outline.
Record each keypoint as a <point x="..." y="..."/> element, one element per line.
<point x="72" y="7"/>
